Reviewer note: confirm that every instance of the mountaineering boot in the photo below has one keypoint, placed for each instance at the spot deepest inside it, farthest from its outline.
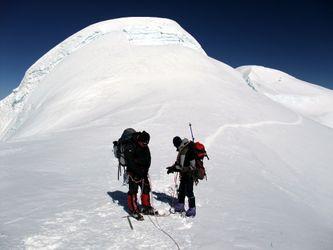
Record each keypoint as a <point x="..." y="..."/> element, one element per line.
<point x="179" y="207"/>
<point x="148" y="210"/>
<point x="191" y="212"/>
<point x="137" y="216"/>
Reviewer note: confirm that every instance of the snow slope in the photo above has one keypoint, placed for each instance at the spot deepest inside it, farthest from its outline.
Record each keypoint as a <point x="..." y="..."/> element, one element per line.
<point x="310" y="100"/>
<point x="128" y="31"/>
<point x="269" y="177"/>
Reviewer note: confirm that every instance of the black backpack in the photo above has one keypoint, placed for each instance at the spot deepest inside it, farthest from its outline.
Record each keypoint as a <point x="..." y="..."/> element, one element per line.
<point x="119" y="146"/>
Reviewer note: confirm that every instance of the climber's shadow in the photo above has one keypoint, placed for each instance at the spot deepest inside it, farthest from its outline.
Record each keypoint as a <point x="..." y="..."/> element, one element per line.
<point x="120" y="198"/>
<point x="163" y="197"/>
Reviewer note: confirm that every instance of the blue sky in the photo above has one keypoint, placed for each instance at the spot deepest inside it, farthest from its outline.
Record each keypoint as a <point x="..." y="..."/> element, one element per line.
<point x="293" y="36"/>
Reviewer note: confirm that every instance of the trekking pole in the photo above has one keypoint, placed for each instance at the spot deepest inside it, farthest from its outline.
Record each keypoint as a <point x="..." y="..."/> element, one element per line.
<point x="119" y="171"/>
<point x="191" y="131"/>
<point x="129" y="222"/>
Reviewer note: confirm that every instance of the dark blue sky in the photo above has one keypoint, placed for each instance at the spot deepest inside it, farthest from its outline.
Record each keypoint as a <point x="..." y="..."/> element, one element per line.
<point x="292" y="36"/>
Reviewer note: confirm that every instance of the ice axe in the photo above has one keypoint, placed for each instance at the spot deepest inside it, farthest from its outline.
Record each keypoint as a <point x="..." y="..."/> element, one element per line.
<point x="193" y="136"/>
<point x="191" y="131"/>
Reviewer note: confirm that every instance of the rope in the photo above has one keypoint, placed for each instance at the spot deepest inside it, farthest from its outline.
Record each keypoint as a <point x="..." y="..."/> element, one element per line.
<point x="163" y="231"/>
<point x="135" y="181"/>
<point x="157" y="225"/>
<point x="173" y="194"/>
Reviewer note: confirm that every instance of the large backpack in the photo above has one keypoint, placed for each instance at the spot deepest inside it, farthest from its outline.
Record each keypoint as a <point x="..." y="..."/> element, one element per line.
<point x="199" y="154"/>
<point x="119" y="148"/>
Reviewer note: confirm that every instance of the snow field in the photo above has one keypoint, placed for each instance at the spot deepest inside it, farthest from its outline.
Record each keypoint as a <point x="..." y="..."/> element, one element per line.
<point x="269" y="173"/>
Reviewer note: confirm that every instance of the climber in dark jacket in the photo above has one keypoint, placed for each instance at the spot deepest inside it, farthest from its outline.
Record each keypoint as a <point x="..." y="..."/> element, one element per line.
<point x="138" y="160"/>
<point x="185" y="165"/>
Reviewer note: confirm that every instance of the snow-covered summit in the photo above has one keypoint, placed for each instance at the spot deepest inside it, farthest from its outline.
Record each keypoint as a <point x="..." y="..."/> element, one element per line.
<point x="308" y="99"/>
<point x="131" y="32"/>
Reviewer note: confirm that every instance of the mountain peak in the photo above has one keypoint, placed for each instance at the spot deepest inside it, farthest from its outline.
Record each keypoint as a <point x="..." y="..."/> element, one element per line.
<point x="148" y="31"/>
<point x="128" y="32"/>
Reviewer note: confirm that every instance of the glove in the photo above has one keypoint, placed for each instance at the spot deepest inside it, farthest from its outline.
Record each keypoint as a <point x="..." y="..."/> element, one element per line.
<point x="171" y="169"/>
<point x="174" y="168"/>
<point x="177" y="168"/>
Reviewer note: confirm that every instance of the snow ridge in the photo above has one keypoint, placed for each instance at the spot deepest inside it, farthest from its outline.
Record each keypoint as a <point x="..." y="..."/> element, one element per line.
<point x="309" y="100"/>
<point x="139" y="31"/>
<point x="209" y="141"/>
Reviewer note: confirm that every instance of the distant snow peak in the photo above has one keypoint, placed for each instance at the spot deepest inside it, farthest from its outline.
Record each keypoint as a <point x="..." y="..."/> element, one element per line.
<point x="302" y="97"/>
<point x="254" y="75"/>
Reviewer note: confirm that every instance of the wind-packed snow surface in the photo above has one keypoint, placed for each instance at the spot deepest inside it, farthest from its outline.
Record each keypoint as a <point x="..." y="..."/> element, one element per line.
<point x="270" y="169"/>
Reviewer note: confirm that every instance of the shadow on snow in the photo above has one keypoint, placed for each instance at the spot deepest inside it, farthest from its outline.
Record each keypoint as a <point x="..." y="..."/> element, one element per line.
<point x="120" y="198"/>
<point x="163" y="197"/>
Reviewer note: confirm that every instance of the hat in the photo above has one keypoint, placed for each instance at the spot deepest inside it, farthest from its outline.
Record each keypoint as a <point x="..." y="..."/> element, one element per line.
<point x="177" y="141"/>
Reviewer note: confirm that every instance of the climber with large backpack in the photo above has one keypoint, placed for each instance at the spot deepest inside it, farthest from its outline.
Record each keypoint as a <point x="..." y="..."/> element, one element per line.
<point x="135" y="155"/>
<point x="189" y="164"/>
<point x="119" y="152"/>
<point x="185" y="165"/>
